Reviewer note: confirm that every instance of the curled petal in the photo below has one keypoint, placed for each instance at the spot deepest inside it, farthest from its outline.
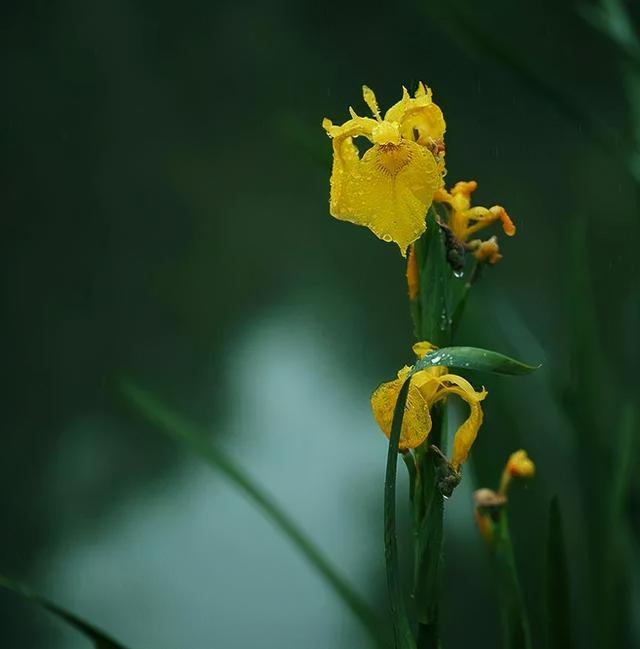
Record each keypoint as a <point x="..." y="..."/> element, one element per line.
<point x="466" y="434"/>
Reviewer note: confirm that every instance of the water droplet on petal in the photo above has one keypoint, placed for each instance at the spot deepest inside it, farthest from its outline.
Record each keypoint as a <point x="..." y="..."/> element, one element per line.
<point x="387" y="238"/>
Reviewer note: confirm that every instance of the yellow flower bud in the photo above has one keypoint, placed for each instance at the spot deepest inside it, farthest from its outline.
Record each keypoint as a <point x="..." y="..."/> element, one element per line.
<point x="519" y="465"/>
<point x="488" y="252"/>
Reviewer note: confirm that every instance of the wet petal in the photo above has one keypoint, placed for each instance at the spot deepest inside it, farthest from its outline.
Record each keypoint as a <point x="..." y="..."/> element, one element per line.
<point x="422" y="348"/>
<point x="466" y="434"/>
<point x="389" y="190"/>
<point x="416" y="423"/>
<point x="371" y="101"/>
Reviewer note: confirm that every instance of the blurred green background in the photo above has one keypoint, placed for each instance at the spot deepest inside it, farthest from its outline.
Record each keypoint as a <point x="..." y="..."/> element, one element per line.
<point x="165" y="217"/>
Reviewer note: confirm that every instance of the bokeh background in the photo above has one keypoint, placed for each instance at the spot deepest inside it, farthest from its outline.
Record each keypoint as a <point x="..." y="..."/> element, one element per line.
<point x="165" y="217"/>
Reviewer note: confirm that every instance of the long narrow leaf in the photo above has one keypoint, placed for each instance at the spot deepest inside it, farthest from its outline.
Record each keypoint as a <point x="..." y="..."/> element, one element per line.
<point x="557" y="586"/>
<point x="515" y="621"/>
<point x="183" y="432"/>
<point x="474" y="358"/>
<point x="401" y="627"/>
<point x="100" y="639"/>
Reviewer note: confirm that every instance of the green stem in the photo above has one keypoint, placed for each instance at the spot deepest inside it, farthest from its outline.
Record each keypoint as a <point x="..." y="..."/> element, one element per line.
<point x="436" y="327"/>
<point x="429" y="554"/>
<point x="182" y="431"/>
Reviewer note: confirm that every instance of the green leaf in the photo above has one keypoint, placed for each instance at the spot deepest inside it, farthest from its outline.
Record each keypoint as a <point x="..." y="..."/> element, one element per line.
<point x="515" y="621"/>
<point x="474" y="358"/>
<point x="401" y="627"/>
<point x="557" y="583"/>
<point x="99" y="638"/>
<point x="188" y="435"/>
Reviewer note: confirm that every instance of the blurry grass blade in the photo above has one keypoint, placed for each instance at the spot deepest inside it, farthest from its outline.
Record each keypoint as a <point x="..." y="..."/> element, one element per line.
<point x="557" y="583"/>
<point x="611" y="17"/>
<point x="185" y="433"/>
<point x="617" y="533"/>
<point x="401" y="627"/>
<point x="99" y="638"/>
<point x="515" y="621"/>
<point x="474" y="358"/>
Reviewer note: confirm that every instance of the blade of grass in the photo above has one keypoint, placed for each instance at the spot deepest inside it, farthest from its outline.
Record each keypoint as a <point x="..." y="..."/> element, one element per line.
<point x="517" y="634"/>
<point x="183" y="432"/>
<point x="557" y="583"/>
<point x="99" y="638"/>
<point x="401" y="627"/>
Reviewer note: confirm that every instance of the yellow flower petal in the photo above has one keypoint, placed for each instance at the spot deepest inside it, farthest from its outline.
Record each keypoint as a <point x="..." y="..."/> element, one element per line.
<point x="389" y="190"/>
<point x="420" y="119"/>
<point x="422" y="348"/>
<point x="371" y="101"/>
<point x="413" y="276"/>
<point x="416" y="423"/>
<point x="466" y="434"/>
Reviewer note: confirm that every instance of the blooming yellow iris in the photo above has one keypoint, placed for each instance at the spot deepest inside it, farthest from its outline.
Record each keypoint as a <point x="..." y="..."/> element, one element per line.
<point x="427" y="387"/>
<point x="391" y="186"/>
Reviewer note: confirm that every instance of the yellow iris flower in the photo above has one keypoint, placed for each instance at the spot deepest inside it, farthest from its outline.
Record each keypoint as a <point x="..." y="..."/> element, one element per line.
<point x="465" y="220"/>
<point x="428" y="387"/>
<point x="391" y="186"/>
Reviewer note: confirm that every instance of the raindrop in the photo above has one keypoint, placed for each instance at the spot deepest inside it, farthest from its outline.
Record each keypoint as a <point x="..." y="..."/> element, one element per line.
<point x="458" y="273"/>
<point x="387" y="238"/>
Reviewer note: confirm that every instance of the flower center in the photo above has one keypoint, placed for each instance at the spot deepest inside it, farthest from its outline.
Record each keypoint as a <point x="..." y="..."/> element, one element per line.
<point x="392" y="158"/>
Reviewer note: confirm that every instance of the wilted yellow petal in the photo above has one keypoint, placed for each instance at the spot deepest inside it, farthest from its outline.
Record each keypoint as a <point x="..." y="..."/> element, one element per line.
<point x="413" y="276"/>
<point x="466" y="434"/>
<point x="416" y="423"/>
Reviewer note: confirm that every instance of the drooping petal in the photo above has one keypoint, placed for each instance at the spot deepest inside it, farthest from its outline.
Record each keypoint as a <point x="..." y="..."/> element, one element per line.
<point x="466" y="434"/>
<point x="416" y="423"/>
<point x="413" y="276"/>
<point x="388" y="190"/>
